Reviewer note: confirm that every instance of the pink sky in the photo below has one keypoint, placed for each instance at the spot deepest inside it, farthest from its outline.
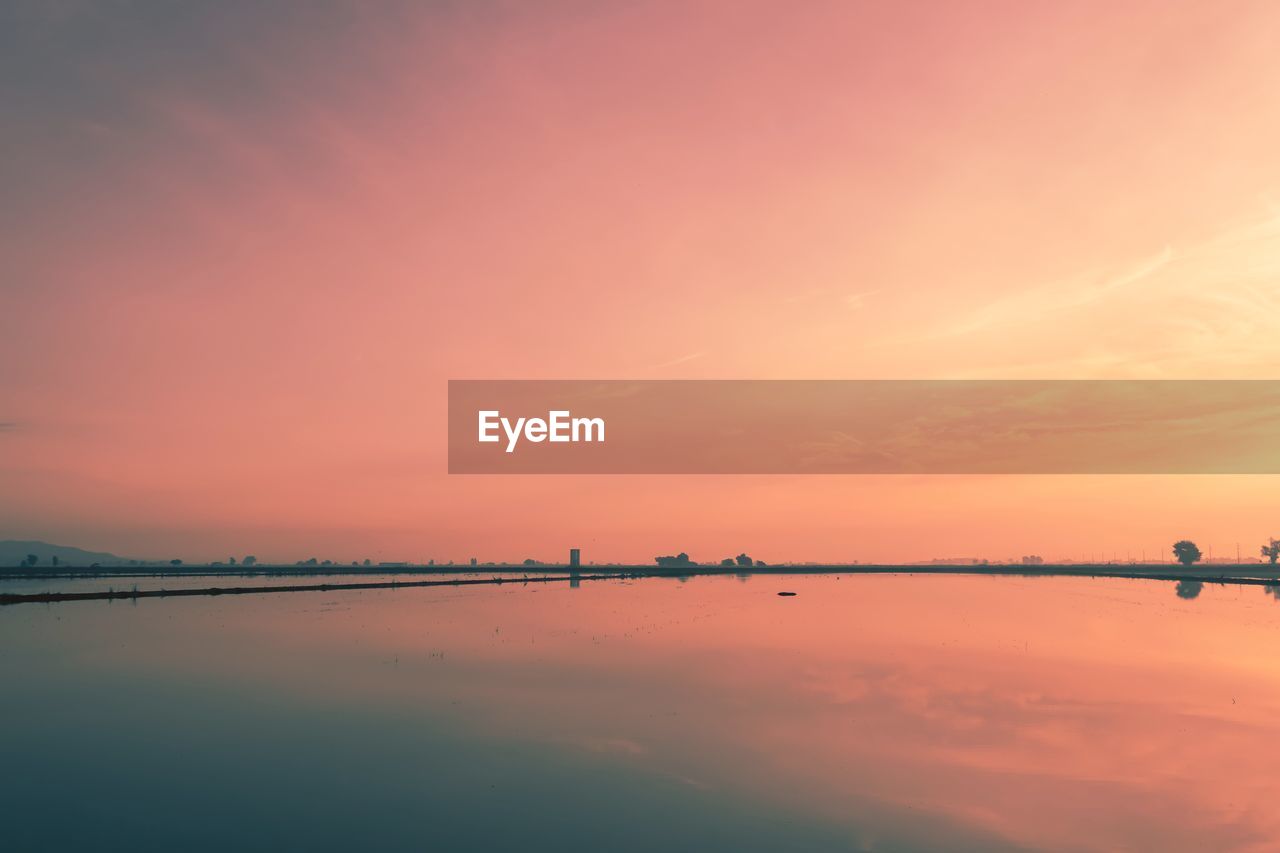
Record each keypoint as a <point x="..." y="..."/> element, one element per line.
<point x="240" y="262"/>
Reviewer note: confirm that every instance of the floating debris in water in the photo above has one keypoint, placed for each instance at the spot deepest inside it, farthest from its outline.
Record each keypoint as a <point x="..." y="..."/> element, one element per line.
<point x="786" y="593"/>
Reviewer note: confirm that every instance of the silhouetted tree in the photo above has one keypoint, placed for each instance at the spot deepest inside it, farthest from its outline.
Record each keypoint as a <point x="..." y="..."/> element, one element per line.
<point x="54" y="560"/>
<point x="231" y="561"/>
<point x="175" y="562"/>
<point x="250" y="560"/>
<point x="368" y="562"/>
<point x="681" y="559"/>
<point x="1186" y="552"/>
<point x="727" y="561"/>
<point x="1189" y="589"/>
<point x="32" y="559"/>
<point x="1271" y="551"/>
<point x="745" y="561"/>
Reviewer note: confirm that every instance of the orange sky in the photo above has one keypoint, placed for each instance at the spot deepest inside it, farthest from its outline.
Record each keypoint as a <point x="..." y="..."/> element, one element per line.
<point x="241" y="253"/>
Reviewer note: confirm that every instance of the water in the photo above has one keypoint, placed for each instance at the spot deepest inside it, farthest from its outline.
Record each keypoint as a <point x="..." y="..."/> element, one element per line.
<point x="866" y="712"/>
<point x="127" y="582"/>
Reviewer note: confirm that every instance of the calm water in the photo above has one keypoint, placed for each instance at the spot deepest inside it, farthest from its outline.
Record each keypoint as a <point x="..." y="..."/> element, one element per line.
<point x="124" y="583"/>
<point x="867" y="712"/>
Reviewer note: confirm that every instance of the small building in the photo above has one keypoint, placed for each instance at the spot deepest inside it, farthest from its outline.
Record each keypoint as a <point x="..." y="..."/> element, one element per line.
<point x="575" y="558"/>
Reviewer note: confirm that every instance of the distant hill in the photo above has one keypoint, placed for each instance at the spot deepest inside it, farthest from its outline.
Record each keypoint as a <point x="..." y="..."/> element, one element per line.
<point x="13" y="551"/>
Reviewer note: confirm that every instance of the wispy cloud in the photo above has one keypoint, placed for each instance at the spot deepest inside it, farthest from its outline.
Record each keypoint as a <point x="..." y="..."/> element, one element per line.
<point x="1209" y="308"/>
<point x="1038" y="302"/>
<point x="826" y="295"/>
<point x="681" y="360"/>
<point x="794" y="296"/>
<point x="856" y="300"/>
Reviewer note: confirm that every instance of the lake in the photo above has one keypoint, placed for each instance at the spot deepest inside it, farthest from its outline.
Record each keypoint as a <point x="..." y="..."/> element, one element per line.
<point x="882" y="712"/>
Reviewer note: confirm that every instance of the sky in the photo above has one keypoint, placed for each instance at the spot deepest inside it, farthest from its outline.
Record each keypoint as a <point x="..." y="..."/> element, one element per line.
<point x="243" y="248"/>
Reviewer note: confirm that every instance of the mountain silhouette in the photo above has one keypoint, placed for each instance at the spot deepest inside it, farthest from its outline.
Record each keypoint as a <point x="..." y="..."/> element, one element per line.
<point x="13" y="551"/>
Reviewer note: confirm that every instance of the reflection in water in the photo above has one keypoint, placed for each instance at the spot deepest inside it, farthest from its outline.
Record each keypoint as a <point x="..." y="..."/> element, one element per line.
<point x="1189" y="589"/>
<point x="1272" y="589"/>
<point x="195" y="580"/>
<point x="868" y="712"/>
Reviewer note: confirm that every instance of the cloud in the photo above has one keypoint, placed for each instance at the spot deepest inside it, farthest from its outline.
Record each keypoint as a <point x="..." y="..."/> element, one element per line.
<point x="856" y="300"/>
<point x="1208" y="308"/>
<point x="804" y="296"/>
<point x="1049" y="300"/>
<point x="824" y="296"/>
<point x="681" y="360"/>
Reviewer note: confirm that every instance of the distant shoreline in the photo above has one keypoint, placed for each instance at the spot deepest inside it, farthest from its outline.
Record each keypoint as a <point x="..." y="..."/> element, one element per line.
<point x="1260" y="570"/>
<point x="1250" y="574"/>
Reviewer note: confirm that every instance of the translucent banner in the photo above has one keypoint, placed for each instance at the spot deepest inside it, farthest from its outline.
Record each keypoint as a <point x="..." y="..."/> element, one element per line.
<point x="864" y="427"/>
